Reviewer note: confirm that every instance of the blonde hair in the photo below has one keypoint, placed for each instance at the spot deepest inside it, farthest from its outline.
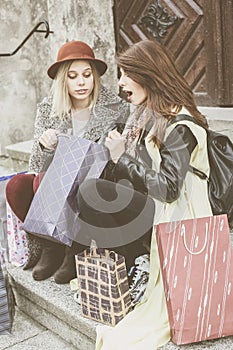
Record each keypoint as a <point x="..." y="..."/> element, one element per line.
<point x="62" y="103"/>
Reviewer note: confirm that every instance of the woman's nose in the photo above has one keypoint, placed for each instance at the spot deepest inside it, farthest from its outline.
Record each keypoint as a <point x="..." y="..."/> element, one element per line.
<point x="121" y="82"/>
<point x="80" y="81"/>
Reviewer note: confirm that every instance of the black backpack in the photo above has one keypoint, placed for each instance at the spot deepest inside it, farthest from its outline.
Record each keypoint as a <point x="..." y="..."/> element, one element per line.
<point x="220" y="181"/>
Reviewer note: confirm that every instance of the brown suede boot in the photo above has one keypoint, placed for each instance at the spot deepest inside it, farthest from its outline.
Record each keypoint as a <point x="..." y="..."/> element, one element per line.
<point x="50" y="260"/>
<point x="67" y="270"/>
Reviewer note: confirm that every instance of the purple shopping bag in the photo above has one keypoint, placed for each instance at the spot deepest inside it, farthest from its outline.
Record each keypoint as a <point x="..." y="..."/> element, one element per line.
<point x="53" y="211"/>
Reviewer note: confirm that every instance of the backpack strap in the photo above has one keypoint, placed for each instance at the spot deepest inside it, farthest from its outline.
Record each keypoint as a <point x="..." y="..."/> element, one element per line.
<point x="185" y="117"/>
<point x="181" y="117"/>
<point x="199" y="173"/>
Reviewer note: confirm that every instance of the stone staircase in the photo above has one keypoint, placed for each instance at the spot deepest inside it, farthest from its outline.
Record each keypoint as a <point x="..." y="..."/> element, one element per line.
<point x="48" y="317"/>
<point x="52" y="317"/>
<point x="28" y="334"/>
<point x="53" y="307"/>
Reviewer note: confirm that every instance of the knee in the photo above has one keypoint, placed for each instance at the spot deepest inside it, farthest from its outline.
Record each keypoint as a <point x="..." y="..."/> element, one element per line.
<point x="19" y="193"/>
<point x="18" y="185"/>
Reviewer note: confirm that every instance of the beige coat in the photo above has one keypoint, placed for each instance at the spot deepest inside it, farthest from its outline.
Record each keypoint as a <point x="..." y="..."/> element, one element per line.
<point x="188" y="205"/>
<point x="147" y="326"/>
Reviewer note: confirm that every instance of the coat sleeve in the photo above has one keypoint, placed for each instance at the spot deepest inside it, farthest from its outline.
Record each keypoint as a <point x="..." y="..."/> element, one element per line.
<point x="39" y="157"/>
<point x="122" y="109"/>
<point x="166" y="184"/>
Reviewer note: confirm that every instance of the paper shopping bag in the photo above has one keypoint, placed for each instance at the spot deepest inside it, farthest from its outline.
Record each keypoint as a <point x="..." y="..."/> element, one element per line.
<point x="3" y="217"/>
<point x="53" y="211"/>
<point x="5" y="321"/>
<point x="103" y="285"/>
<point x="197" y="269"/>
<point x="16" y="237"/>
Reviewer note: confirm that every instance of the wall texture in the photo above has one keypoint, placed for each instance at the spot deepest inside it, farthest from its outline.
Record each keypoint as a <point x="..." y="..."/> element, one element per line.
<point x="23" y="76"/>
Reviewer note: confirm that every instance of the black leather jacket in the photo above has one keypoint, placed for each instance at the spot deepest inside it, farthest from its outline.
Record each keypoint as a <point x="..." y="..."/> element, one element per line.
<point x="175" y="157"/>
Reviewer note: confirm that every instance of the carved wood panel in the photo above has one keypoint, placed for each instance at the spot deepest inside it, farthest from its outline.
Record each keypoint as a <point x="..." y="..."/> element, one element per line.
<point x="193" y="32"/>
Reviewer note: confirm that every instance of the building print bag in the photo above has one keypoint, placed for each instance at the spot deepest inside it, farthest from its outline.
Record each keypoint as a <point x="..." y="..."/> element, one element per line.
<point x="103" y="285"/>
<point x="197" y="268"/>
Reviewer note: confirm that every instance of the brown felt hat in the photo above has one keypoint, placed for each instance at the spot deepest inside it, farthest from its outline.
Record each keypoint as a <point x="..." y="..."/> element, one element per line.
<point x="76" y="50"/>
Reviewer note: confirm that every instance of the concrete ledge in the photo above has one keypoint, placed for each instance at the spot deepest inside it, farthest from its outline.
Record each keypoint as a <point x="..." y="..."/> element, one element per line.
<point x="54" y="324"/>
<point x="219" y="119"/>
<point x="22" y="330"/>
<point x="19" y="154"/>
<point x="28" y="334"/>
<point x="217" y="113"/>
<point x="44" y="341"/>
<point x="20" y="150"/>
<point x="54" y="307"/>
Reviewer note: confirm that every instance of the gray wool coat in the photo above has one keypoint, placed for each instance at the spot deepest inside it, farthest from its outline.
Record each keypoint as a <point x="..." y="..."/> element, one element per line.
<point x="109" y="108"/>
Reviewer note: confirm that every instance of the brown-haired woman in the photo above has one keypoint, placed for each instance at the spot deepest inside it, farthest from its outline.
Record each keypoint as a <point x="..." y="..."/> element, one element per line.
<point x="164" y="135"/>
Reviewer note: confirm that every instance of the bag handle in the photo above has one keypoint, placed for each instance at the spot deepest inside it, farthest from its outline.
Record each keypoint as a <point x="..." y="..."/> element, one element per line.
<point x="97" y="254"/>
<point x="185" y="243"/>
<point x="93" y="249"/>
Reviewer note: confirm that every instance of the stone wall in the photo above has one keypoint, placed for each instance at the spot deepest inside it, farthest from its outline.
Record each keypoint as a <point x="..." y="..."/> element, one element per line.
<point x="23" y="76"/>
<point x="18" y="96"/>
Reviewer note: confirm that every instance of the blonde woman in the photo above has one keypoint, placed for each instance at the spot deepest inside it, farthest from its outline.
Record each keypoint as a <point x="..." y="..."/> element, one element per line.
<point x="80" y="105"/>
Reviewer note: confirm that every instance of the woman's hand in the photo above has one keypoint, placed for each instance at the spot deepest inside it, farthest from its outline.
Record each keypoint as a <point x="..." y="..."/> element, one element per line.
<point x="49" y="139"/>
<point x="116" y="145"/>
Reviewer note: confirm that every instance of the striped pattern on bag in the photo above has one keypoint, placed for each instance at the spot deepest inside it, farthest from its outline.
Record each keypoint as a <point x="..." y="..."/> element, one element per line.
<point x="5" y="324"/>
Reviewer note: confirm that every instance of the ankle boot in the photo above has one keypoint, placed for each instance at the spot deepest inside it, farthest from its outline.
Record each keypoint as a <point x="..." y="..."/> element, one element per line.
<point x="51" y="258"/>
<point x="67" y="271"/>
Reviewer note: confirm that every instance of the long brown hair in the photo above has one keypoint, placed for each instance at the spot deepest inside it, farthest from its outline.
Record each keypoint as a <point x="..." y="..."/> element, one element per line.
<point x="148" y="64"/>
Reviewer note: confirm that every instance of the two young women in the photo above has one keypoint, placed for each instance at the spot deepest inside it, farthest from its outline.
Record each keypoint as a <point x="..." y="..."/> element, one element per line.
<point x="153" y="153"/>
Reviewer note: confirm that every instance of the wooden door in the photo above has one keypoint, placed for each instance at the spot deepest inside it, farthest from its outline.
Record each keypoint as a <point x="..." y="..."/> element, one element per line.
<point x="198" y="34"/>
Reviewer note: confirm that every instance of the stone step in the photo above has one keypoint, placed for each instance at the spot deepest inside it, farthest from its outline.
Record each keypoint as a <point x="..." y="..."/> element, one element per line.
<point x="55" y="313"/>
<point x="28" y="334"/>
<point x="19" y="154"/>
<point x="53" y="306"/>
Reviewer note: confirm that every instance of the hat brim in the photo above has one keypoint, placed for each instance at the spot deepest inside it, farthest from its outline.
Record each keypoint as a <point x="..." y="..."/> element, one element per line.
<point x="101" y="66"/>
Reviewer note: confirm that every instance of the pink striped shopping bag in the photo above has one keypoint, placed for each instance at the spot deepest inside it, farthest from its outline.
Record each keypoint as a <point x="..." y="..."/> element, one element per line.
<point x="197" y="268"/>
